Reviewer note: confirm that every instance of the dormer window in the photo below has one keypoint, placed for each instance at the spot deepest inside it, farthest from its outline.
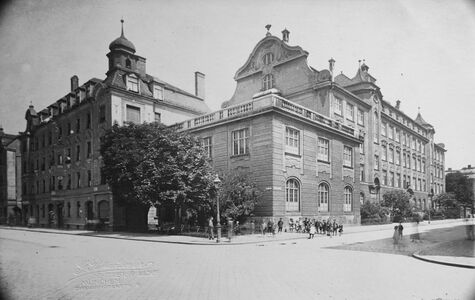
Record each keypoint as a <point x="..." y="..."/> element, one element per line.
<point x="268" y="82"/>
<point x="132" y="83"/>
<point x="128" y="63"/>
<point x="158" y="92"/>
<point x="268" y="58"/>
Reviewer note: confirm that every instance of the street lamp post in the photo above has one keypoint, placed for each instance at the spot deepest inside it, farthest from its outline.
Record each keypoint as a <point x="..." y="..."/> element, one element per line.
<point x="218" y="220"/>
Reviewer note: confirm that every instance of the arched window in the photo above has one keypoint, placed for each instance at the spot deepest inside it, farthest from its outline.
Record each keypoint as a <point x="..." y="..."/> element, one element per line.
<point x="292" y="195"/>
<point x="323" y="196"/>
<point x="348" y="199"/>
<point x="268" y="82"/>
<point x="128" y="64"/>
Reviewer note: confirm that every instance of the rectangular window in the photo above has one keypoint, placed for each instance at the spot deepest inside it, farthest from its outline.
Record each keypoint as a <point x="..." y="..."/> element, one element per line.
<point x="78" y="125"/>
<point x="60" y="183"/>
<point x="240" y="140"/>
<point x="397" y="134"/>
<point x="350" y="112"/>
<point x="360" y="117"/>
<point x="414" y="164"/>
<point x="68" y="184"/>
<point x="383" y="129"/>
<point x="362" y="175"/>
<point x="88" y="120"/>
<point x="102" y="113"/>
<point x="398" y="180"/>
<point x="398" y="157"/>
<point x="391" y="132"/>
<point x="384" y="153"/>
<point x="158" y="117"/>
<point x="53" y="183"/>
<point x="69" y="129"/>
<point x="89" y="149"/>
<point x="424" y="186"/>
<point x="78" y="180"/>
<point x="361" y="148"/>
<point x="423" y="167"/>
<point x="132" y="114"/>
<point x="78" y="152"/>
<point x="69" y="209"/>
<point x="208" y="146"/>
<point x="60" y="133"/>
<point x="323" y="150"/>
<point x="391" y="155"/>
<point x="78" y="209"/>
<point x="385" y="177"/>
<point x="391" y="178"/>
<point x="133" y="84"/>
<point x="158" y="92"/>
<point x="292" y="140"/>
<point x="376" y="162"/>
<point x="338" y="106"/>
<point x="89" y="178"/>
<point x="347" y="156"/>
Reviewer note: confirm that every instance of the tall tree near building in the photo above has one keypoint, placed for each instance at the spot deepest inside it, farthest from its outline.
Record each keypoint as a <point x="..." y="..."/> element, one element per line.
<point x="397" y="202"/>
<point x="150" y="164"/>
<point x="460" y="185"/>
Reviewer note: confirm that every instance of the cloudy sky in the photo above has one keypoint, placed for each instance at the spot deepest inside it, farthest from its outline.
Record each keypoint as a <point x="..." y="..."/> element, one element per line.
<point x="421" y="52"/>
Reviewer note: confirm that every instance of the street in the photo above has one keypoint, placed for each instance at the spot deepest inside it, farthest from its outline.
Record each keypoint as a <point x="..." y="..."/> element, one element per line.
<point x="60" y="266"/>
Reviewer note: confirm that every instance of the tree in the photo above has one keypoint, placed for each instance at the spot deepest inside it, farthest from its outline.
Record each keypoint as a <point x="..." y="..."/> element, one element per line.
<point x="461" y="187"/>
<point x="150" y="164"/>
<point x="397" y="202"/>
<point x="448" y="205"/>
<point x="373" y="213"/>
<point x="238" y="196"/>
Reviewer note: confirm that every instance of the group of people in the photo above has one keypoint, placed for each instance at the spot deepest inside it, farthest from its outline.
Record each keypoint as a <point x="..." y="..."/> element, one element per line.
<point x="397" y="235"/>
<point x="312" y="227"/>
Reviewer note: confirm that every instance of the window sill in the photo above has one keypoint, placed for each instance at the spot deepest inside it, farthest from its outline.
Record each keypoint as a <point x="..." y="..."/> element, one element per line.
<point x="292" y="154"/>
<point x="239" y="155"/>
<point x="323" y="161"/>
<point x="348" y="167"/>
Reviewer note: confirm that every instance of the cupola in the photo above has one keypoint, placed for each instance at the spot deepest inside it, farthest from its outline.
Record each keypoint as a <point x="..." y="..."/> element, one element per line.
<point x="122" y="43"/>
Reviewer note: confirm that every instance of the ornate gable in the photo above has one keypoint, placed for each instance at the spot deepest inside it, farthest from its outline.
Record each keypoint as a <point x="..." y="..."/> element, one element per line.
<point x="270" y="44"/>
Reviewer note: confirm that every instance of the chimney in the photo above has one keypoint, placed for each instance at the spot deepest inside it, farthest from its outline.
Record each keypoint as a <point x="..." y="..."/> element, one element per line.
<point x="398" y="104"/>
<point x="285" y="35"/>
<point x="74" y="83"/>
<point x="200" y="85"/>
<point x="331" y="66"/>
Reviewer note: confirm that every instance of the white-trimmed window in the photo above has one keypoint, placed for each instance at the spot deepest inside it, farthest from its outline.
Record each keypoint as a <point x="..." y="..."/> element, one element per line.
<point x="398" y="157"/>
<point x="384" y="153"/>
<point x="348" y="192"/>
<point x="132" y="114"/>
<point x="391" y="178"/>
<point x="397" y="136"/>
<point x="383" y="128"/>
<point x="375" y="128"/>
<point x="158" y="92"/>
<point x="347" y="156"/>
<point x="268" y="58"/>
<point x="338" y="106"/>
<point x="391" y="155"/>
<point x="323" y="196"/>
<point x="268" y="82"/>
<point x="323" y="150"/>
<point x="376" y="162"/>
<point x="292" y="195"/>
<point x="391" y="132"/>
<point x="240" y="139"/>
<point x="385" y="177"/>
<point x="132" y="83"/>
<point x="360" y="116"/>
<point x="398" y="180"/>
<point x="208" y="146"/>
<point x="350" y="112"/>
<point x="292" y="140"/>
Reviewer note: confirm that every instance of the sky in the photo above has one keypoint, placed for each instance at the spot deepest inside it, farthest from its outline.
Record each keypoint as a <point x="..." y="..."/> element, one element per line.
<point x="420" y="52"/>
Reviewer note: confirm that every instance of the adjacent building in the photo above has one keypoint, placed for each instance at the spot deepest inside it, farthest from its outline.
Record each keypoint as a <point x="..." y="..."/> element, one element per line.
<point x="62" y="184"/>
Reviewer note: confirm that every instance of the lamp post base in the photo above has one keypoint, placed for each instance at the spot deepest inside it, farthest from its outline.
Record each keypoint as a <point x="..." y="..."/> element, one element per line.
<point x="218" y="233"/>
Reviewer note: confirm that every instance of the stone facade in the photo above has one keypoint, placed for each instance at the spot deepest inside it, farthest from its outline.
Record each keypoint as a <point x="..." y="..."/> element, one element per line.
<point x="62" y="184"/>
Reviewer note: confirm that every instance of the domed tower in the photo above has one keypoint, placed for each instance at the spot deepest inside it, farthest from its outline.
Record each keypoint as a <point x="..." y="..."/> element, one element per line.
<point x="122" y="55"/>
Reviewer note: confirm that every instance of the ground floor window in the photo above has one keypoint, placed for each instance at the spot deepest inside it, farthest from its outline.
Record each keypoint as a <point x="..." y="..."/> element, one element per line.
<point x="348" y="199"/>
<point x="103" y="209"/>
<point x="323" y="195"/>
<point x="292" y="195"/>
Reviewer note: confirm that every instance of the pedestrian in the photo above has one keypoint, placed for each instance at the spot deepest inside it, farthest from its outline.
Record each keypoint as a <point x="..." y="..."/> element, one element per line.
<point x="470" y="227"/>
<point x="400" y="228"/>
<point x="340" y="229"/>
<point x="263" y="226"/>
<point x="270" y="227"/>
<point x="312" y="230"/>
<point x="280" y="225"/>
<point x="253" y="227"/>
<point x="396" y="237"/>
<point x="291" y="225"/>
<point x="210" y="229"/>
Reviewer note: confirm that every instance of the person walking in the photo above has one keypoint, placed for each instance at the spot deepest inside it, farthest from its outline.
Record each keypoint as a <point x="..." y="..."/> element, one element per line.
<point x="210" y="229"/>
<point x="263" y="226"/>
<point x="396" y="237"/>
<point x="400" y="228"/>
<point x="280" y="225"/>
<point x="312" y="230"/>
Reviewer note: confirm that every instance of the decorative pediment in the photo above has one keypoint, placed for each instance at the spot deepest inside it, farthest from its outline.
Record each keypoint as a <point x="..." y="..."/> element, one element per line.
<point x="270" y="44"/>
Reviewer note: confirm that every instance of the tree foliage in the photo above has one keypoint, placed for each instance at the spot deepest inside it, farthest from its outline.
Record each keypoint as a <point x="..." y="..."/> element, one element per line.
<point x="397" y="201"/>
<point x="461" y="187"/>
<point x="371" y="210"/>
<point x="150" y="164"/>
<point x="238" y="196"/>
<point x="448" y="205"/>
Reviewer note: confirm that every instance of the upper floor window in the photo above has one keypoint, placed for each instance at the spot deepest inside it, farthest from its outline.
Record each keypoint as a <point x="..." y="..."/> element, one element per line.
<point x="128" y="63"/>
<point x="158" y="117"/>
<point x="268" y="58"/>
<point x="292" y="140"/>
<point x="268" y="82"/>
<point x="338" y="106"/>
<point x="384" y="152"/>
<point x="383" y="128"/>
<point x="89" y="150"/>
<point x="78" y="125"/>
<point x="347" y="156"/>
<point x="376" y="162"/>
<point x="350" y="112"/>
<point x="397" y="135"/>
<point x="323" y="196"/>
<point x="133" y="83"/>
<point x="240" y="140"/>
<point x="391" y="155"/>
<point x="132" y="114"/>
<point x="323" y="149"/>
<point x="348" y="199"/>
<point x="88" y="120"/>
<point x="158" y="92"/>
<point x="390" y="132"/>
<point x="292" y="195"/>
<point x="376" y="127"/>
<point x="102" y="113"/>
<point x="208" y="146"/>
<point x="360" y="117"/>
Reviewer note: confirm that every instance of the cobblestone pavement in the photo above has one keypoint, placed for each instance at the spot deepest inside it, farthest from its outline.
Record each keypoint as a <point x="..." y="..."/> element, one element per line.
<point x="57" y="266"/>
